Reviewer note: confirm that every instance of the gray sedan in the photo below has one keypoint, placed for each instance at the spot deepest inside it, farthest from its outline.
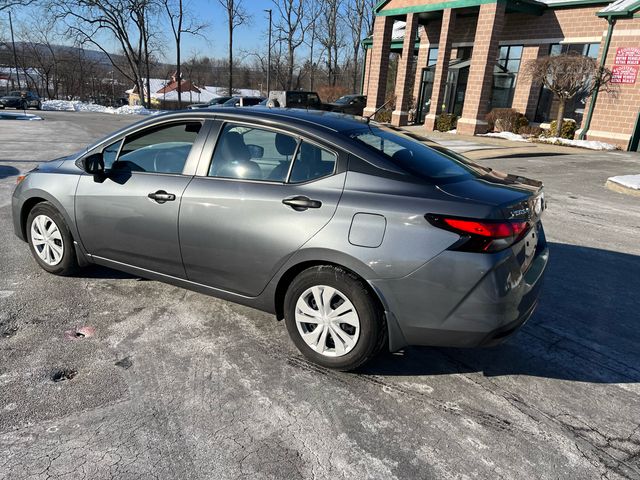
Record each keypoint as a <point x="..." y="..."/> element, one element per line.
<point x="359" y="236"/>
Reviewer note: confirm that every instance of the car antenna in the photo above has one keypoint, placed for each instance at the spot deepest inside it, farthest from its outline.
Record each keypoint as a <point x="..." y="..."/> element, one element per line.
<point x="369" y="117"/>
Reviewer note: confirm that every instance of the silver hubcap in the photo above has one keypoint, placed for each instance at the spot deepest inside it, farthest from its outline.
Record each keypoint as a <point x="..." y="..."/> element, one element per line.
<point x="47" y="240"/>
<point x="327" y="321"/>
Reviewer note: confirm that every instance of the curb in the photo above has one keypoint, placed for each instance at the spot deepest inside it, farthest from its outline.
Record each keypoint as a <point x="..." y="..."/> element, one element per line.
<point x="616" y="187"/>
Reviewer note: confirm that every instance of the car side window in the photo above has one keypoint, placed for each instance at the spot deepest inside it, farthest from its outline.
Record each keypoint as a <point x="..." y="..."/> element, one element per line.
<point x="250" y="153"/>
<point x="161" y="149"/>
<point x="110" y="153"/>
<point x="312" y="162"/>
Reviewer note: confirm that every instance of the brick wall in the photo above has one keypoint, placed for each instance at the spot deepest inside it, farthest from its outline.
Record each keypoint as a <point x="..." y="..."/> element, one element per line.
<point x="615" y="115"/>
<point x="485" y="52"/>
<point x="379" y="65"/>
<point x="405" y="78"/>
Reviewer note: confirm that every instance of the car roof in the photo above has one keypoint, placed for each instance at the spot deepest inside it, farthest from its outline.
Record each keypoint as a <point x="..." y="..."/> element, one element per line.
<point x="336" y="122"/>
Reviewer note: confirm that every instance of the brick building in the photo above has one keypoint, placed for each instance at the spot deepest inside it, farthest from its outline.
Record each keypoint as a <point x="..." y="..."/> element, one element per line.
<point x="465" y="57"/>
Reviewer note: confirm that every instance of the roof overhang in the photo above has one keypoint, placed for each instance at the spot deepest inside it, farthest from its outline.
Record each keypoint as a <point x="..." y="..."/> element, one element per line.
<point x="526" y="6"/>
<point x="622" y="8"/>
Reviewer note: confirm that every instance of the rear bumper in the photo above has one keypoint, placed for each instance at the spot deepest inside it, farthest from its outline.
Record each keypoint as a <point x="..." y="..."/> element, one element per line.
<point x="465" y="299"/>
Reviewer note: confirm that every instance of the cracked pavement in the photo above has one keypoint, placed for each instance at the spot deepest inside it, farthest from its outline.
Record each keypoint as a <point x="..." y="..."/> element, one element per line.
<point x="175" y="384"/>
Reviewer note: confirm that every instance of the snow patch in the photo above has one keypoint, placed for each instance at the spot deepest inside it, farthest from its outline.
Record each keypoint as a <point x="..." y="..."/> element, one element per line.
<point x="589" y="144"/>
<point x="628" y="181"/>
<point x="454" y="131"/>
<point x="514" y="137"/>
<point x="78" y="106"/>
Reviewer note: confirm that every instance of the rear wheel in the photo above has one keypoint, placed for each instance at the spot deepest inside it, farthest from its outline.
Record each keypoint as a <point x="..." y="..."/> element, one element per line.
<point x="333" y="318"/>
<point x="50" y="240"/>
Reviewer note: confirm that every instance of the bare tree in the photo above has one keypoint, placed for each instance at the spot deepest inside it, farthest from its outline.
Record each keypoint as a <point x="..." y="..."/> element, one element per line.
<point x="37" y="39"/>
<point x="236" y="16"/>
<point x="6" y="4"/>
<point x="314" y="10"/>
<point x="330" y="37"/>
<point x="180" y="23"/>
<point x="358" y="17"/>
<point x="290" y="29"/>
<point x="567" y="76"/>
<point x="125" y="20"/>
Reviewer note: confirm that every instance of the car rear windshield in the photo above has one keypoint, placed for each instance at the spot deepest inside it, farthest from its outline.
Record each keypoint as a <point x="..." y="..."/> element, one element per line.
<point x="413" y="156"/>
<point x="343" y="100"/>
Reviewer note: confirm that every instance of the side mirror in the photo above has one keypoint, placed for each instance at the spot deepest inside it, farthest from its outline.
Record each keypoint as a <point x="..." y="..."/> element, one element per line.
<point x="93" y="165"/>
<point x="256" y="151"/>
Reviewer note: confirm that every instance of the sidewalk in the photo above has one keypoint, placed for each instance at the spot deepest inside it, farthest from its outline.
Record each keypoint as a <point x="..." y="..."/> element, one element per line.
<point x="478" y="148"/>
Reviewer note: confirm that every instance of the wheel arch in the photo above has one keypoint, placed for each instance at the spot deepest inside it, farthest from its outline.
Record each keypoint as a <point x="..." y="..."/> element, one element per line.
<point x="394" y="336"/>
<point x="27" y="206"/>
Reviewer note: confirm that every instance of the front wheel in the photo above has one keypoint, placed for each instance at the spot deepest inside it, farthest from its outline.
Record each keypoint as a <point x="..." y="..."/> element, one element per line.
<point x="333" y="318"/>
<point x="50" y="240"/>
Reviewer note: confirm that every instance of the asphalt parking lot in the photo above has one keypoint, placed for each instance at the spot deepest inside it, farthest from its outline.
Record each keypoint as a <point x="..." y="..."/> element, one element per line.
<point x="169" y="383"/>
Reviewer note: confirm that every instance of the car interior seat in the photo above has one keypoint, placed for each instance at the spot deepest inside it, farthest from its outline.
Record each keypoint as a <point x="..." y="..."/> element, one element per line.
<point x="232" y="159"/>
<point x="286" y="146"/>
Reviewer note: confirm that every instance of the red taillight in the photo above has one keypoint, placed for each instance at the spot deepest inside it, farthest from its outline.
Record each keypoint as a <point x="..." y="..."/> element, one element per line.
<point x="482" y="235"/>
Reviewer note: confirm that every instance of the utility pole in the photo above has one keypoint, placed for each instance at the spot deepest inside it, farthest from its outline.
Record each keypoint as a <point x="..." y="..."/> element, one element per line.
<point x="15" y="56"/>
<point x="269" y="56"/>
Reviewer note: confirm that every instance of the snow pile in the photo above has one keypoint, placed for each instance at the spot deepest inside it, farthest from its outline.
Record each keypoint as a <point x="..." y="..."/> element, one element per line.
<point x="78" y="106"/>
<point x="514" y="137"/>
<point x="453" y="132"/>
<point x="627" y="181"/>
<point x="589" y="144"/>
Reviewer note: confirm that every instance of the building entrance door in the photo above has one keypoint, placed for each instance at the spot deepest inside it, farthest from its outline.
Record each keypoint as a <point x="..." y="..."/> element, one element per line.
<point x="424" y="95"/>
<point x="456" y="89"/>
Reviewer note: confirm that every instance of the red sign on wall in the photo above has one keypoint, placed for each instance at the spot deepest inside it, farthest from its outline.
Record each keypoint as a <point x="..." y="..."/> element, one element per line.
<point x="628" y="56"/>
<point x="626" y="74"/>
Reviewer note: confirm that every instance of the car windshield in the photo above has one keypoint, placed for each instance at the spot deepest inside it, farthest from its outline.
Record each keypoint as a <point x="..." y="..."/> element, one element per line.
<point x="344" y="100"/>
<point x="232" y="102"/>
<point x="15" y="94"/>
<point x="413" y="156"/>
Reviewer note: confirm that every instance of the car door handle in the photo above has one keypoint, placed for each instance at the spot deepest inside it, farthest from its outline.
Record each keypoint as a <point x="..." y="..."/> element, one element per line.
<point x="301" y="203"/>
<point x="161" y="196"/>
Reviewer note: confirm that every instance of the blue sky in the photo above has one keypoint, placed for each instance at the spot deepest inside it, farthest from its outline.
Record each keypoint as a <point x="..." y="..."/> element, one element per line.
<point x="212" y="43"/>
<point x="251" y="37"/>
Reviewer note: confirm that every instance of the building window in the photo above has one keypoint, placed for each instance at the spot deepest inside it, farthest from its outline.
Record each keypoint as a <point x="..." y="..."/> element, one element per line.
<point x="547" y="109"/>
<point x="505" y="74"/>
<point x="464" y="53"/>
<point x="433" y="57"/>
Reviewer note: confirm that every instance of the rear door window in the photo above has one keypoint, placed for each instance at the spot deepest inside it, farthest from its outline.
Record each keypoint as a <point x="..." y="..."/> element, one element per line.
<point x="312" y="162"/>
<point x="251" y="153"/>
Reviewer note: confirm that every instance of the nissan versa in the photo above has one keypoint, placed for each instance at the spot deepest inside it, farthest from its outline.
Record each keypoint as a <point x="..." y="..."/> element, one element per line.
<point x="359" y="236"/>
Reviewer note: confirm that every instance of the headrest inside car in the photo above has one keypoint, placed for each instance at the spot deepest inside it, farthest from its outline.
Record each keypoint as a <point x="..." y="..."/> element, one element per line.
<point x="285" y="144"/>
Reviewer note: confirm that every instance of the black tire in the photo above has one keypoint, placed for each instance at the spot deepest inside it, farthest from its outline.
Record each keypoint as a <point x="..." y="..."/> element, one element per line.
<point x="373" y="329"/>
<point x="68" y="265"/>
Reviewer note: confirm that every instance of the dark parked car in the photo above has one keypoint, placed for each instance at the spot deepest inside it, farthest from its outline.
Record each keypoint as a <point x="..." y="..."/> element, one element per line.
<point x="358" y="235"/>
<point x="294" y="99"/>
<point x="21" y="99"/>
<point x="212" y="103"/>
<point x="242" y="101"/>
<point x="351" y="104"/>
